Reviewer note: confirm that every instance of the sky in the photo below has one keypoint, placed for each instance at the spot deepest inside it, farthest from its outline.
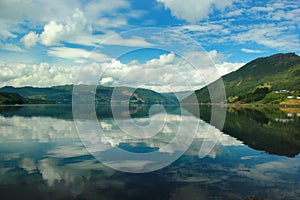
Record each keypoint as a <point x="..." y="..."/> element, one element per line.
<point x="174" y="44"/>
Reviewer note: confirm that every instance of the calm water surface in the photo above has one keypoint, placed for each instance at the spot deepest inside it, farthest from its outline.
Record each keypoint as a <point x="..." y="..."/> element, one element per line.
<point x="42" y="157"/>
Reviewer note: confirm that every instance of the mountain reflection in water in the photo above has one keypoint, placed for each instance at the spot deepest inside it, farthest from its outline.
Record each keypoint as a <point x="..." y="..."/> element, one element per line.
<point x="42" y="157"/>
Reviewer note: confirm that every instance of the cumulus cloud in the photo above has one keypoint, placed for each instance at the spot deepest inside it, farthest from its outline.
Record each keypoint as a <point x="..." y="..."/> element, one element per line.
<point x="163" y="59"/>
<point x="106" y="80"/>
<point x="54" y="32"/>
<point x="42" y="75"/>
<point x="211" y="64"/>
<point x="70" y="21"/>
<point x="169" y="72"/>
<point x="193" y="11"/>
<point x="166" y="73"/>
<point x="76" y="29"/>
<point x="30" y="39"/>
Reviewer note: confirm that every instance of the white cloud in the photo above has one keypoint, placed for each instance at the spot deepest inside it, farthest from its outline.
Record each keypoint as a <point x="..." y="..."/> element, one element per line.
<point x="235" y="13"/>
<point x="208" y="33"/>
<point x="108" y="38"/>
<point x="106" y="80"/>
<point x="227" y="67"/>
<point x="170" y="72"/>
<point x="6" y="34"/>
<point x="43" y="74"/>
<point x="251" y="50"/>
<point x="193" y="11"/>
<point x="77" y="55"/>
<point x="134" y="41"/>
<point x="10" y="47"/>
<point x="61" y="20"/>
<point x="15" y="11"/>
<point x="54" y="32"/>
<point x="261" y="9"/>
<point x="204" y="28"/>
<point x="30" y="39"/>
<point x="95" y="10"/>
<point x="101" y="6"/>
<point x="77" y="30"/>
<point x="292" y="15"/>
<point x="163" y="60"/>
<point x="270" y="35"/>
<point x="166" y="73"/>
<point x="205" y="64"/>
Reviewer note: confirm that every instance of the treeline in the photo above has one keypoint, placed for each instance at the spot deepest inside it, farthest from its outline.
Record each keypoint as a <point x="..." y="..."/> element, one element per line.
<point x="256" y="95"/>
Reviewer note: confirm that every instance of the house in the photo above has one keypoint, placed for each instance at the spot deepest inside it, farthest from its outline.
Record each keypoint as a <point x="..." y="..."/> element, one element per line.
<point x="281" y="120"/>
<point x="282" y="91"/>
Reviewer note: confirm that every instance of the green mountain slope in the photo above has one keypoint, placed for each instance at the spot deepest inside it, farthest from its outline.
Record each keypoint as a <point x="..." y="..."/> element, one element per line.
<point x="63" y="94"/>
<point x="259" y="80"/>
<point x="11" y="98"/>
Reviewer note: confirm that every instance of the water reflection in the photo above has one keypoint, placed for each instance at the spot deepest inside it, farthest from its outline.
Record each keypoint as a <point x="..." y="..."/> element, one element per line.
<point x="261" y="129"/>
<point x="41" y="157"/>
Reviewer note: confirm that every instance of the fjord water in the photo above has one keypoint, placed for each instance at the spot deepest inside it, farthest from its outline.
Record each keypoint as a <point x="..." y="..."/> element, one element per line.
<point x="257" y="155"/>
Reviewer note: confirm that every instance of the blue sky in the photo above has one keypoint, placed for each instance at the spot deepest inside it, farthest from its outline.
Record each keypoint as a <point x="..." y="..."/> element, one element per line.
<point x="43" y="43"/>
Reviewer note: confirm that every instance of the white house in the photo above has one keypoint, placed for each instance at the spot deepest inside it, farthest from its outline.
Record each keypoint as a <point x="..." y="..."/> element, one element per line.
<point x="282" y="91"/>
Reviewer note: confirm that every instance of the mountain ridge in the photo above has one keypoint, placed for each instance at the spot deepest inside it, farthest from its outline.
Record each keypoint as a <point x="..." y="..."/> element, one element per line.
<point x="258" y="81"/>
<point x="63" y="94"/>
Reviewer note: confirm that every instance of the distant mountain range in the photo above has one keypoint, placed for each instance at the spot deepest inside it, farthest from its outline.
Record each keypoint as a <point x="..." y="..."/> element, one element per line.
<point x="63" y="95"/>
<point x="274" y="79"/>
<point x="264" y="80"/>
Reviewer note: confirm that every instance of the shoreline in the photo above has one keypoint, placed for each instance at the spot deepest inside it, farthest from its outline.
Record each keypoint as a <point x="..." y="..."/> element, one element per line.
<point x="247" y="105"/>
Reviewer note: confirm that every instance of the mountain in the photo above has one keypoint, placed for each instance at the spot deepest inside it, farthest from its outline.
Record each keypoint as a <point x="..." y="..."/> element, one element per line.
<point x="63" y="94"/>
<point x="11" y="98"/>
<point x="264" y="80"/>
